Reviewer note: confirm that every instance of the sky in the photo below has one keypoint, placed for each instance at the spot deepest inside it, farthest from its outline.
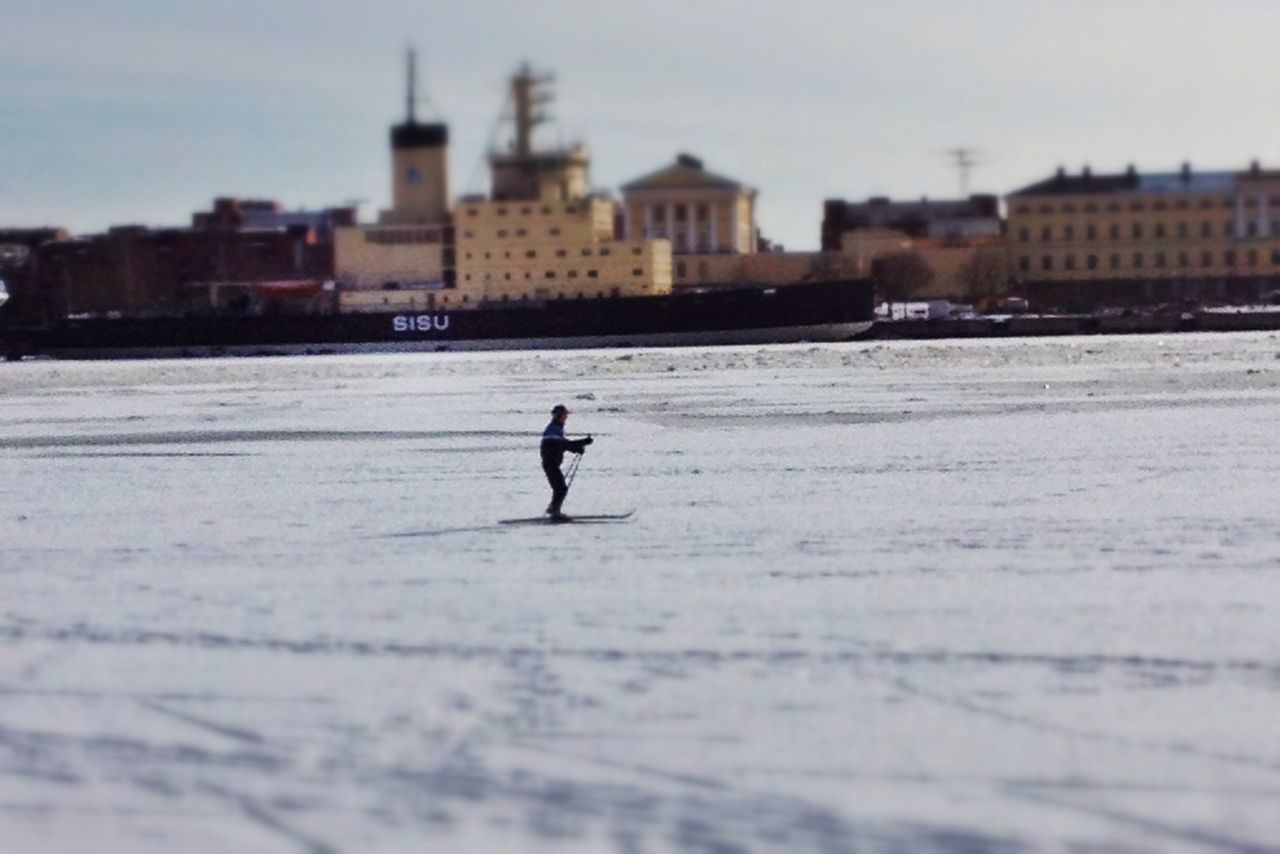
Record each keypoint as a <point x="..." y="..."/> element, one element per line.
<point x="143" y="111"/>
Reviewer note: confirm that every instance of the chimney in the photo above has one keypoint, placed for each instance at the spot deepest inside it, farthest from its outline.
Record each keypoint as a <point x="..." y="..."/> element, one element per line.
<point x="1254" y="167"/>
<point x="1186" y="172"/>
<point x="1086" y="173"/>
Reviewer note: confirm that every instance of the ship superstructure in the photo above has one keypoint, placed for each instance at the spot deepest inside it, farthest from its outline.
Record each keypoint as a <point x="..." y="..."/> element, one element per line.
<point x="541" y="234"/>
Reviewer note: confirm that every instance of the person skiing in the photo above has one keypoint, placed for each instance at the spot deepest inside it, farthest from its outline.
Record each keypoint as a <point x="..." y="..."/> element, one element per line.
<point x="554" y="445"/>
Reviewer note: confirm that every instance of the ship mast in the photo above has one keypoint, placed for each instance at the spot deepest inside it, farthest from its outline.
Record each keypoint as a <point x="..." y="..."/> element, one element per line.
<point x="529" y="96"/>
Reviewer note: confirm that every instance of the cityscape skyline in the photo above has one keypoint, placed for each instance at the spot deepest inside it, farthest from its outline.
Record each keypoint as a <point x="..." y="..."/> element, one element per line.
<point x="142" y="113"/>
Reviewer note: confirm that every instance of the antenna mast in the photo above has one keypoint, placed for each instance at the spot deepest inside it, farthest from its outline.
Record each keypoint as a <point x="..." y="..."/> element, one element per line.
<point x="965" y="160"/>
<point x="411" y="95"/>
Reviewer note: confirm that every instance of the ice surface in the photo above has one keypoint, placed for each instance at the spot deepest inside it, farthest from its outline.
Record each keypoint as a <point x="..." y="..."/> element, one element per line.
<point x="974" y="596"/>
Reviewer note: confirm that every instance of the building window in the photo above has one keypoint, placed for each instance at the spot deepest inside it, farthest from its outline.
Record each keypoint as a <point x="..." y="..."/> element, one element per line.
<point x="1046" y="209"/>
<point x="502" y="233"/>
<point x="1137" y="260"/>
<point x="1252" y="229"/>
<point x="1023" y="234"/>
<point x="1069" y="262"/>
<point x="1113" y="207"/>
<point x="637" y="271"/>
<point x="1159" y="229"/>
<point x="680" y="269"/>
<point x="1069" y="233"/>
<point x="532" y="253"/>
<point x="1024" y="263"/>
<point x="526" y="210"/>
<point x="1068" y="208"/>
<point x="1205" y="204"/>
<point x="468" y="234"/>
<point x="1091" y="208"/>
<point x="1158" y="206"/>
<point x="637" y="251"/>
<point x="1046" y="263"/>
<point x="1206" y="259"/>
<point x="1184" y="260"/>
<point x="1275" y="257"/>
<point x="586" y="253"/>
<point x="551" y="274"/>
<point x="1253" y="257"/>
<point x="571" y="209"/>
<point x="520" y="232"/>
<point x="506" y="276"/>
<point x="1137" y="230"/>
<point x="1206" y="229"/>
<point x="591" y="274"/>
<point x="1182" y="229"/>
<point x="1181" y="205"/>
<point x="1092" y="262"/>
<point x="560" y="253"/>
<point x="1046" y="233"/>
<point x="468" y="256"/>
<point x="1115" y="232"/>
<point x="1137" y="206"/>
<point x="1228" y="228"/>
<point x="1091" y="231"/>
<point x="1115" y="261"/>
<point x="604" y="252"/>
<point x="546" y="210"/>
<point x="471" y="212"/>
<point x="573" y="274"/>
<point x="502" y="211"/>
<point x="1160" y="260"/>
<point x="1229" y="257"/>
<point x="555" y="232"/>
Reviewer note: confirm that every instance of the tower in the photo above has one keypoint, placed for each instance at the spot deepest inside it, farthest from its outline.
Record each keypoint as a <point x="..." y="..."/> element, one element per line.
<point x="419" y="165"/>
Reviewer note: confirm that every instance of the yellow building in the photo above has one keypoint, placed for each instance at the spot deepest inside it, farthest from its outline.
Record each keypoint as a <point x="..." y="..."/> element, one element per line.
<point x="698" y="211"/>
<point x="552" y="249"/>
<point x="1155" y="237"/>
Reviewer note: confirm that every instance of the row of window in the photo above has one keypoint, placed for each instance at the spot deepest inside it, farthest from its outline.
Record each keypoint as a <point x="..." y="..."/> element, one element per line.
<point x="551" y="274"/>
<point x="525" y="210"/>
<point x="603" y="252"/>
<point x="1160" y="260"/>
<point x="1138" y="230"/>
<point x="389" y="237"/>
<point x="1204" y="204"/>
<point x="613" y="292"/>
<point x="503" y="233"/>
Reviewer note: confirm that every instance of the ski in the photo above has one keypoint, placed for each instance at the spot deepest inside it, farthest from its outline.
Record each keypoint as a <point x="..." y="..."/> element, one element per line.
<point x="595" y="518"/>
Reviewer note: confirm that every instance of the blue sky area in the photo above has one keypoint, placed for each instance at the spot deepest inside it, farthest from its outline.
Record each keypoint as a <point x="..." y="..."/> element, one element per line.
<point x="141" y="111"/>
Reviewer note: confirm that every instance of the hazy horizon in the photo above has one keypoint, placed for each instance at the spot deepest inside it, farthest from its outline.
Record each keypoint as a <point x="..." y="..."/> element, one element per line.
<point x="143" y="113"/>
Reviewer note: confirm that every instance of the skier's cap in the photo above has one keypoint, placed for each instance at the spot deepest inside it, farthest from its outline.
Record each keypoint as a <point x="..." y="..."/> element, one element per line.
<point x="560" y="409"/>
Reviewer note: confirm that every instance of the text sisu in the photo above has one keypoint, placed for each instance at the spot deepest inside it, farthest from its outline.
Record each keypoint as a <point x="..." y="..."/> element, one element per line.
<point x="420" y="323"/>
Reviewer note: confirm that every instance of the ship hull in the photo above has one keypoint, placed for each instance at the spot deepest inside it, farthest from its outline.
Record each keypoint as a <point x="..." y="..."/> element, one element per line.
<point x="820" y="311"/>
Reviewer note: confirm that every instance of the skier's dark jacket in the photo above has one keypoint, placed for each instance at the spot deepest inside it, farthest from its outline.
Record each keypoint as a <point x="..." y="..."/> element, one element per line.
<point x="554" y="444"/>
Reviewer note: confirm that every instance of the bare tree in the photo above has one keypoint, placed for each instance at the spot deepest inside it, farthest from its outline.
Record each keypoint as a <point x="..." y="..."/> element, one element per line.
<point x="984" y="276"/>
<point x="898" y="276"/>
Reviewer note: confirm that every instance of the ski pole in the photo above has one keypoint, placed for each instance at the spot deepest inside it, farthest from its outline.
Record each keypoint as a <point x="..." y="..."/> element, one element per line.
<point x="573" y="471"/>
